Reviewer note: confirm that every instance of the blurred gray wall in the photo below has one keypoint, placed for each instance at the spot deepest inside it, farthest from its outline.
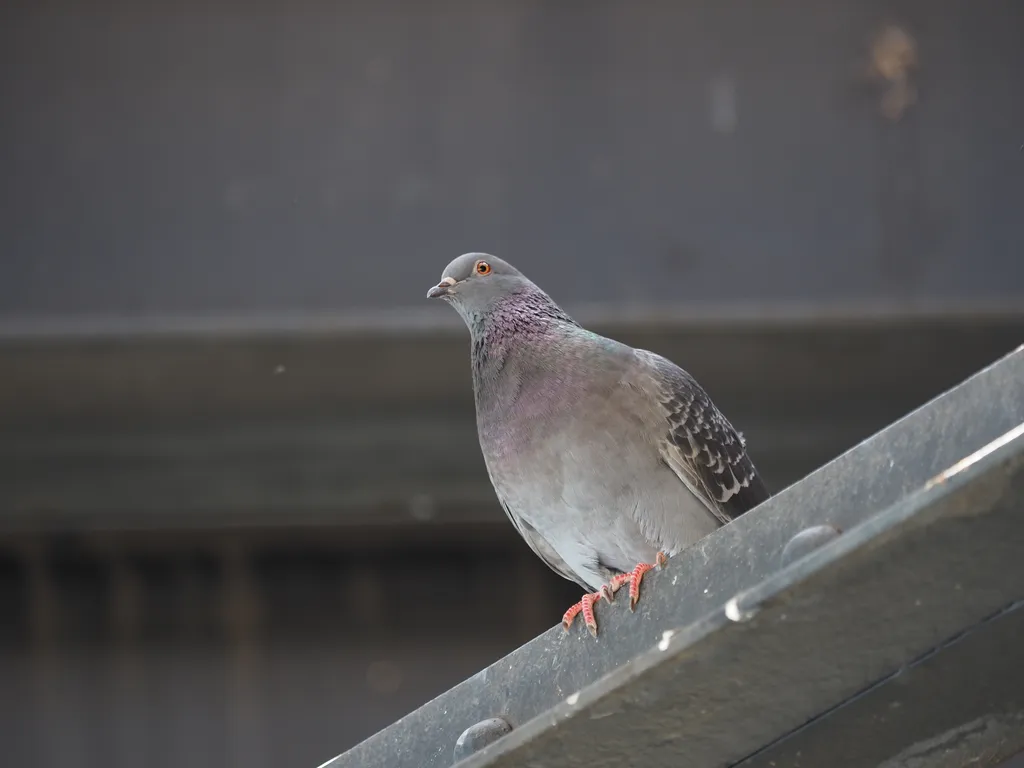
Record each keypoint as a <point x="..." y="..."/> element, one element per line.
<point x="174" y="158"/>
<point x="197" y="555"/>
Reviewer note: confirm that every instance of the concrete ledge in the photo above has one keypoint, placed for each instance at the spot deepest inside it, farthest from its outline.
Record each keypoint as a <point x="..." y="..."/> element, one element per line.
<point x="203" y="428"/>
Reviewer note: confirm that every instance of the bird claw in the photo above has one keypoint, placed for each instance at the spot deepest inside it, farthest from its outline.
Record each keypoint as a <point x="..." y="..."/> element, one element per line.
<point x="586" y="607"/>
<point x="586" y="604"/>
<point x="635" y="577"/>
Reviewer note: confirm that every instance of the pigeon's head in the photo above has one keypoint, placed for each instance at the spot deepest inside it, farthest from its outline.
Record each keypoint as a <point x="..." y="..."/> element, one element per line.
<point x="475" y="282"/>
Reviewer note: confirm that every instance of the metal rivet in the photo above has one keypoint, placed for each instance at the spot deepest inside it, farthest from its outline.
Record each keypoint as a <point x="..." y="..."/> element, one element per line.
<point x="807" y="541"/>
<point x="478" y="736"/>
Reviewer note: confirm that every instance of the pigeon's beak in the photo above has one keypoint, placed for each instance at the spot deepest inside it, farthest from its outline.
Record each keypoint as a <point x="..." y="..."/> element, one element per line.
<point x="441" y="289"/>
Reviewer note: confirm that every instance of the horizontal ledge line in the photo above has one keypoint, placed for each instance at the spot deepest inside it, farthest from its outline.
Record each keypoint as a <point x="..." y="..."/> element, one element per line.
<point x="427" y="320"/>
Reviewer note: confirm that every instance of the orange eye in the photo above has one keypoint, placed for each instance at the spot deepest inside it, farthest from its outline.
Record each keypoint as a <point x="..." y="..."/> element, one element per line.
<point x="483" y="268"/>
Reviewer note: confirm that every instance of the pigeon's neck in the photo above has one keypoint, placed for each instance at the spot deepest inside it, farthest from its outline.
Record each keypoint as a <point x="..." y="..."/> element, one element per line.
<point x="520" y="325"/>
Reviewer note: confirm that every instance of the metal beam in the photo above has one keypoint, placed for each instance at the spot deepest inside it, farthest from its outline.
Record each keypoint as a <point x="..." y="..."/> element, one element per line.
<point x="732" y="649"/>
<point x="961" y="703"/>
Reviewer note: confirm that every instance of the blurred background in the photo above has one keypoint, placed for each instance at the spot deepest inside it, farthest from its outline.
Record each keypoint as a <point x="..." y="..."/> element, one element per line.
<point x="243" y="516"/>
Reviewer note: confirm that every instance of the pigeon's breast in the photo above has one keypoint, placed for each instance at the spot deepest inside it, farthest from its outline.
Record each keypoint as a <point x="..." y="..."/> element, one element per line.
<point x="574" y="481"/>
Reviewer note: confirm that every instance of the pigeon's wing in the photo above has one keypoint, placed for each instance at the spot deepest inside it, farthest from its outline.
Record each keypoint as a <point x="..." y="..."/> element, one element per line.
<point x="698" y="443"/>
<point x="541" y="548"/>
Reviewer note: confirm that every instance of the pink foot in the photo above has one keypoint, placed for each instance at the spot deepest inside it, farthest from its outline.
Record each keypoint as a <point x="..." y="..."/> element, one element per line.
<point x="586" y="604"/>
<point x="635" y="577"/>
<point x="586" y="607"/>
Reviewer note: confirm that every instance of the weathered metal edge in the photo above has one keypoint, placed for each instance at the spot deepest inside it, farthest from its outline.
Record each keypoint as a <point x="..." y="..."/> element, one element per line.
<point x="960" y="703"/>
<point x="917" y="510"/>
<point x="869" y="477"/>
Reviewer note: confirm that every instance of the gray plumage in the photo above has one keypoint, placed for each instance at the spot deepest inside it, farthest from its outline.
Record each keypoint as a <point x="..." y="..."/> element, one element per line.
<point x="602" y="455"/>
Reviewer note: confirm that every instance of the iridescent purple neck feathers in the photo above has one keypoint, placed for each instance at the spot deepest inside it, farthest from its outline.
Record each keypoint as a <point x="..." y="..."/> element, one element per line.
<point x="520" y="319"/>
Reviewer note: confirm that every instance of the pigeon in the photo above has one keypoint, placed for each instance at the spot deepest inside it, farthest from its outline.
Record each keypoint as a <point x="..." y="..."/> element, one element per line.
<point x="607" y="459"/>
